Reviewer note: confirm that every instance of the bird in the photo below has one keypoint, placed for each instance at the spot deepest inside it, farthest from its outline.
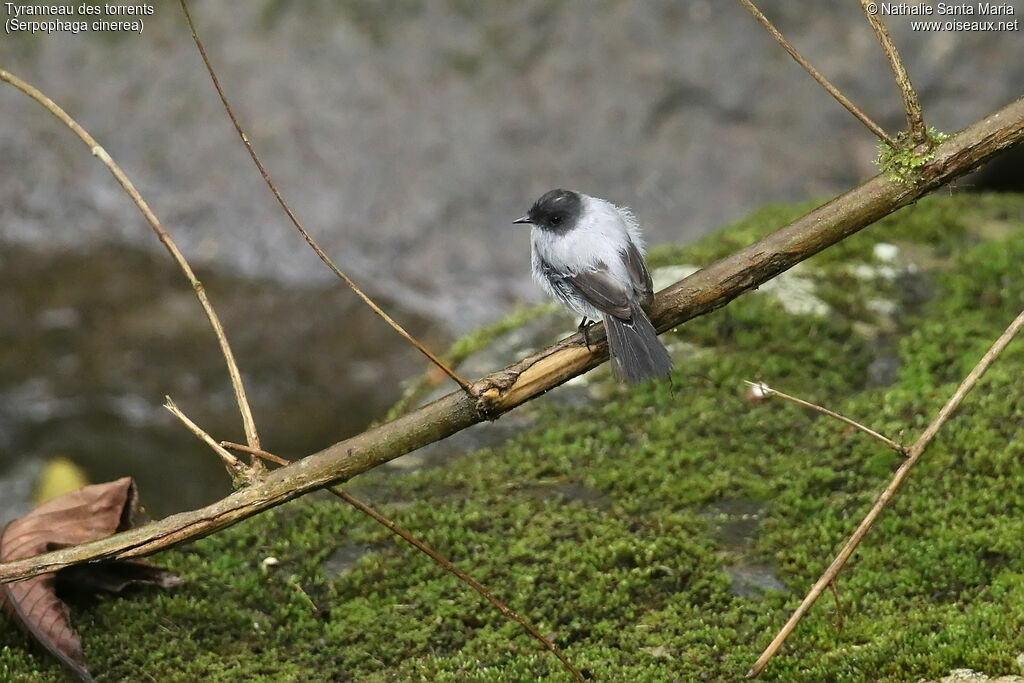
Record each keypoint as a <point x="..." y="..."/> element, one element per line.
<point x="588" y="254"/>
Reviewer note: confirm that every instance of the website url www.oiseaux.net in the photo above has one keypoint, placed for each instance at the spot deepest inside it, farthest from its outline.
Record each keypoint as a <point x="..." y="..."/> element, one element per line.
<point x="965" y="25"/>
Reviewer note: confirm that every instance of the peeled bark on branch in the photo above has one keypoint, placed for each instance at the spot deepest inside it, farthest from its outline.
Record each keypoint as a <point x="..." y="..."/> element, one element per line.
<point x="702" y="292"/>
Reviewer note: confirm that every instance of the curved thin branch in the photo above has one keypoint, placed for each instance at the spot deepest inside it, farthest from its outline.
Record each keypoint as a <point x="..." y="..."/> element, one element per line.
<point x="302" y="231"/>
<point x="236" y="377"/>
<point x="765" y="390"/>
<point x="816" y="75"/>
<point x="915" y="118"/>
<point x="448" y="566"/>
<point x="700" y="293"/>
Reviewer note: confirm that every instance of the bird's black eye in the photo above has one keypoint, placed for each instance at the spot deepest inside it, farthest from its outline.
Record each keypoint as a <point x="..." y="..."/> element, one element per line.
<point x="556" y="219"/>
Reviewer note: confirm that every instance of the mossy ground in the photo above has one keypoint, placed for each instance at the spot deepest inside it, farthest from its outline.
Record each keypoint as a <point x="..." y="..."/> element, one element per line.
<point x="607" y="523"/>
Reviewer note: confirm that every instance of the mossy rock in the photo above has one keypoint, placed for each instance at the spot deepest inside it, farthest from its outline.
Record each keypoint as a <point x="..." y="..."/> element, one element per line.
<point x="662" y="532"/>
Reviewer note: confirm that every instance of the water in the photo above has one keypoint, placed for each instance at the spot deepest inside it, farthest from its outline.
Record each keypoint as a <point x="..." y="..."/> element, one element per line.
<point x="93" y="341"/>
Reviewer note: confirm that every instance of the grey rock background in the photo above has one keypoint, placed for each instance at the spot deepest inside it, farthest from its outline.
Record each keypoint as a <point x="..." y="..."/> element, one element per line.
<point x="407" y="134"/>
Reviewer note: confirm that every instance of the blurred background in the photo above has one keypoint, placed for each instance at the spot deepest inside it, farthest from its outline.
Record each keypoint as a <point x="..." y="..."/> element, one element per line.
<point x="406" y="136"/>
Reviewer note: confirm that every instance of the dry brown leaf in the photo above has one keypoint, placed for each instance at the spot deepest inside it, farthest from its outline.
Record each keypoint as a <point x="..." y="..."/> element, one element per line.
<point x="90" y="513"/>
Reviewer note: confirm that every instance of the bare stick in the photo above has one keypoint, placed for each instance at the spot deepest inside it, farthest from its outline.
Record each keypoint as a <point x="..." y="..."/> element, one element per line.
<point x="463" y="576"/>
<point x="500" y="392"/>
<point x="302" y="231"/>
<point x="824" y="82"/>
<point x="236" y="377"/>
<point x="915" y="119"/>
<point x="913" y="454"/>
<point x="236" y="468"/>
<point x="768" y="391"/>
<point x="437" y="557"/>
<point x="259" y="452"/>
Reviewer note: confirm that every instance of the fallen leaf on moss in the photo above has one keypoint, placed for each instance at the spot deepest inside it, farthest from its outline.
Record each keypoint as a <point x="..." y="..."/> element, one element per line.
<point x="87" y="514"/>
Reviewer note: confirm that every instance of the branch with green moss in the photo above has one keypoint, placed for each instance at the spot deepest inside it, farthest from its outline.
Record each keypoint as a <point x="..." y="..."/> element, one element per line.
<point x="902" y="162"/>
<point x="704" y="291"/>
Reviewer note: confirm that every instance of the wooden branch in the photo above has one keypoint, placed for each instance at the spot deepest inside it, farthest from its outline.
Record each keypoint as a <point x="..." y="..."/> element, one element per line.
<point x="816" y="75"/>
<point x="237" y="470"/>
<point x="700" y="293"/>
<point x="915" y="119"/>
<point x="258" y="452"/>
<point x="448" y="566"/>
<point x="248" y="422"/>
<point x="913" y="454"/>
<point x="302" y="231"/>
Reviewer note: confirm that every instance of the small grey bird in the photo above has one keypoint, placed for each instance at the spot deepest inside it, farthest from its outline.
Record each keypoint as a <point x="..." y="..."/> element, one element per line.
<point x="588" y="254"/>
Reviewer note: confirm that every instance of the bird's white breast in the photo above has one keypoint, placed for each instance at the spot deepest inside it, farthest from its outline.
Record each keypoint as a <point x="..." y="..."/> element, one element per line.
<point x="600" y="236"/>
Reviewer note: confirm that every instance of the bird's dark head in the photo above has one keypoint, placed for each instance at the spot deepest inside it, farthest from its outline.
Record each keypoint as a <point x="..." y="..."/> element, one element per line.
<point x="557" y="210"/>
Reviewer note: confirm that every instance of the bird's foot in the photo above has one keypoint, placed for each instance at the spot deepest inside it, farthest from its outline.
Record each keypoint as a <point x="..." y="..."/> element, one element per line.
<point x="584" y="329"/>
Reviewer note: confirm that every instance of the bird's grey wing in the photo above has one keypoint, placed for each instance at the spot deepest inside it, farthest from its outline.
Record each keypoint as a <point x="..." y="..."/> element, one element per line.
<point x="602" y="291"/>
<point x="557" y="283"/>
<point x="639" y="276"/>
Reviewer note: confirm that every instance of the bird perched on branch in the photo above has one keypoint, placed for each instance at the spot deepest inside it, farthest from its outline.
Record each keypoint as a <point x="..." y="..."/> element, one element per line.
<point x="588" y="254"/>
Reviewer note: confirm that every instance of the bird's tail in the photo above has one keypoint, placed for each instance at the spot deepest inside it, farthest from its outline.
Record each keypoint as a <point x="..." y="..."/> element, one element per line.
<point x="636" y="353"/>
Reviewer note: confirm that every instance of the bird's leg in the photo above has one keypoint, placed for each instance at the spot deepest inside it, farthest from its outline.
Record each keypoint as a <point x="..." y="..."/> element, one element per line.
<point x="583" y="329"/>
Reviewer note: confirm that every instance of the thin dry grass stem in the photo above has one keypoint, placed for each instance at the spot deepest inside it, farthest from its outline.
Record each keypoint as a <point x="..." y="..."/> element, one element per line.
<point x="236" y="377"/>
<point x="236" y="468"/>
<point x="913" y="454"/>
<point x="303" y="594"/>
<point x="768" y="391"/>
<point x="302" y="231"/>
<point x="439" y="559"/>
<point x="258" y="452"/>
<point x="840" y="619"/>
<point x="463" y="576"/>
<point x="915" y="118"/>
<point x="824" y="82"/>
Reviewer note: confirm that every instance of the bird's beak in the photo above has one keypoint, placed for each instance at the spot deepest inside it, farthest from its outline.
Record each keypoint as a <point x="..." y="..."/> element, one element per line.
<point x="524" y="219"/>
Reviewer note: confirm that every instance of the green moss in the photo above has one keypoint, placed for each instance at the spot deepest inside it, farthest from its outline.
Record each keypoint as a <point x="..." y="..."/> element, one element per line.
<point x="607" y="523"/>
<point x="902" y="162"/>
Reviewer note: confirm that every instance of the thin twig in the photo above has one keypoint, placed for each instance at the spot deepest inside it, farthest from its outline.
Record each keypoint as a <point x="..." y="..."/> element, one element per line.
<point x="463" y="576"/>
<point x="915" y="118"/>
<point x="298" y="226"/>
<point x="768" y="391"/>
<point x="824" y="82"/>
<point x="442" y="561"/>
<point x="839" y="606"/>
<point x="913" y="454"/>
<point x="236" y="377"/>
<point x="238" y="470"/>
<point x="259" y="452"/>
